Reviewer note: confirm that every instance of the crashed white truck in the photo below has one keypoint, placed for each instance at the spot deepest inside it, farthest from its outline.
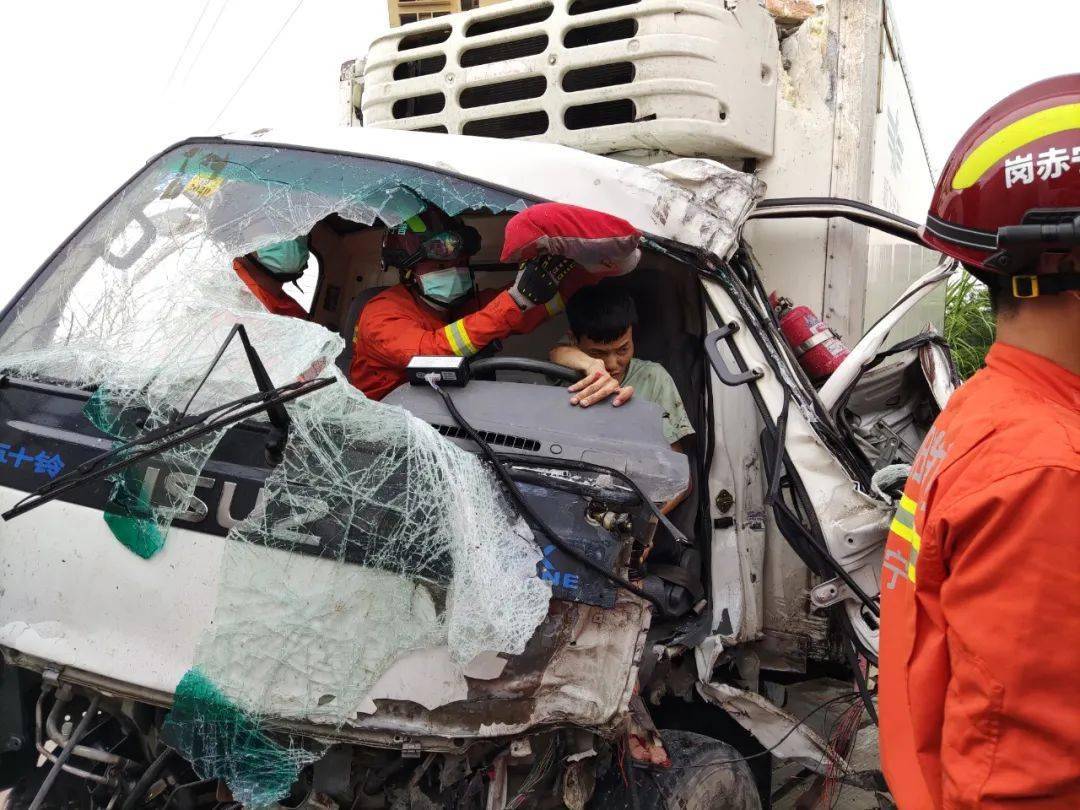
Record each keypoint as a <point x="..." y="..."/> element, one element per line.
<point x="227" y="576"/>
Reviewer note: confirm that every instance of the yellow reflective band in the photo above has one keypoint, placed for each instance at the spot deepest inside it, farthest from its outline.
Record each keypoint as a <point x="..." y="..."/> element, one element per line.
<point x="451" y="338"/>
<point x="911" y="571"/>
<point x="908" y="505"/>
<point x="1015" y="135"/>
<point x="555" y="305"/>
<point x="462" y="335"/>
<point x="416" y="224"/>
<point x="907" y="533"/>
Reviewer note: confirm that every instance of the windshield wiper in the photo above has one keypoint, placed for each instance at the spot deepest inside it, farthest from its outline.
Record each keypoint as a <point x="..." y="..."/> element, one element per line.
<point x="183" y="428"/>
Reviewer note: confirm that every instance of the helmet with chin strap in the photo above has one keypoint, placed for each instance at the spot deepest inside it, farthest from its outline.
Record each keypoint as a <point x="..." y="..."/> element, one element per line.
<point x="431" y="251"/>
<point x="430" y="236"/>
<point x="1007" y="204"/>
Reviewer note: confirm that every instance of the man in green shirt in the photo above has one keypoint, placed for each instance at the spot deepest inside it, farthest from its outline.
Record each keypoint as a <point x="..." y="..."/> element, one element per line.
<point x="601" y="344"/>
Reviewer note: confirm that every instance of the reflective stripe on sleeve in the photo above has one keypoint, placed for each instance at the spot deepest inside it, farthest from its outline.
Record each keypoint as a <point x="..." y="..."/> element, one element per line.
<point x="458" y="338"/>
<point x="903" y="526"/>
<point x="903" y="523"/>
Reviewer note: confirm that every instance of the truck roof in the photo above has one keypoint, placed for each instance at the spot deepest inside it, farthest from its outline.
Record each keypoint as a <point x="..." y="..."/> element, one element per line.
<point x="694" y="201"/>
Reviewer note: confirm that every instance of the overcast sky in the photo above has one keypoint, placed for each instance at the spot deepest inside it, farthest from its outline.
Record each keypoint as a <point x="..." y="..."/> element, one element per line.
<point x="90" y="90"/>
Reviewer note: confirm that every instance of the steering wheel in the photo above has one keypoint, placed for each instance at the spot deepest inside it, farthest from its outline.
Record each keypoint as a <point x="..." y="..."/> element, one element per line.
<point x="491" y="365"/>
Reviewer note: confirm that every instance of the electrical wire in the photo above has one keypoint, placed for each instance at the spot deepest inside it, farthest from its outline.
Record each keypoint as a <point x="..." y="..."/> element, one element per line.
<point x="258" y="62"/>
<point x="539" y="770"/>
<point x="187" y="44"/>
<point x="842" y="741"/>
<point x="575" y="464"/>
<point x="209" y="34"/>
<point x="525" y="507"/>
<point x="846" y="696"/>
<point x="860" y="679"/>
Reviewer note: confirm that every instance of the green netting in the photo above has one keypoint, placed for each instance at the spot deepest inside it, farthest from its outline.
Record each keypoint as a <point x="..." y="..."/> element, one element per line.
<point x="222" y="741"/>
<point x="130" y="515"/>
<point x="129" y="512"/>
<point x="133" y="516"/>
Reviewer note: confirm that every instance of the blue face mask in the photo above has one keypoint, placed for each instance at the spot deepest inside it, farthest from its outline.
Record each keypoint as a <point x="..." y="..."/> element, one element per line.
<point x="446" y="286"/>
<point x="285" y="260"/>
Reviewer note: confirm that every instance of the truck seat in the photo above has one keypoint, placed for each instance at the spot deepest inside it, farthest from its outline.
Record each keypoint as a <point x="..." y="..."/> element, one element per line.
<point x="348" y="323"/>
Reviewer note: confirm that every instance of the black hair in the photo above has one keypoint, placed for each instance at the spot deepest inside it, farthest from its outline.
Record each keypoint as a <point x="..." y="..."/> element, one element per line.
<point x="1002" y="302"/>
<point x="601" y="312"/>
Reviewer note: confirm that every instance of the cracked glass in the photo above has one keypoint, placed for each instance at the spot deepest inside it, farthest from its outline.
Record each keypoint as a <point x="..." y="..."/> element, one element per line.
<point x="373" y="537"/>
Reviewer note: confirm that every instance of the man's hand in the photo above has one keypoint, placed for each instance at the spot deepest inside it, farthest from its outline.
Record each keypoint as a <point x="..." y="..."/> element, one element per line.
<point x="598" y="385"/>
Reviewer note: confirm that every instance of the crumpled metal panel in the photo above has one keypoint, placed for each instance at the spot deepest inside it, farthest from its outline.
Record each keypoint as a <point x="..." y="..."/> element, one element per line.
<point x="698" y="202"/>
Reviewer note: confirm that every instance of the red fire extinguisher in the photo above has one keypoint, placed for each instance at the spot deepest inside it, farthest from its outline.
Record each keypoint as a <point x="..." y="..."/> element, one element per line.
<point x="817" y="347"/>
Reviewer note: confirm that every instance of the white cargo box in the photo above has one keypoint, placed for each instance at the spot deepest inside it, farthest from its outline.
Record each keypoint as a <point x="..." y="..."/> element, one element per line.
<point x="605" y="76"/>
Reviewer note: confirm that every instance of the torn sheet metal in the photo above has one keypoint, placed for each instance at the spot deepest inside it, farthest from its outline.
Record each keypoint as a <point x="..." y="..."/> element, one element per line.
<point x="868" y="347"/>
<point x="698" y="202"/>
<point x="839" y="504"/>
<point x="580" y="665"/>
<point x="940" y="372"/>
<point x="786" y="736"/>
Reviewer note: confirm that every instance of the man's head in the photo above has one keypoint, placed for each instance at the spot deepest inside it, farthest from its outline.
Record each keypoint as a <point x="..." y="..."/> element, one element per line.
<point x="284" y="261"/>
<point x="1048" y="324"/>
<point x="602" y="319"/>
<point x="1007" y="205"/>
<point x="431" y="252"/>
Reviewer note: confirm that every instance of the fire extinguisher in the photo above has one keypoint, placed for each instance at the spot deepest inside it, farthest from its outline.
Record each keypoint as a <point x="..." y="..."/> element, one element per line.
<point x="818" y="348"/>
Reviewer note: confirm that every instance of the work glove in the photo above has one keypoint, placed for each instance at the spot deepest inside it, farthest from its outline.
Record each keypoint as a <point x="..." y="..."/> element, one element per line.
<point x="538" y="279"/>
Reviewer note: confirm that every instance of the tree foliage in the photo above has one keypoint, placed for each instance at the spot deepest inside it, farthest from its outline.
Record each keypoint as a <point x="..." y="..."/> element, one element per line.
<point x="969" y="323"/>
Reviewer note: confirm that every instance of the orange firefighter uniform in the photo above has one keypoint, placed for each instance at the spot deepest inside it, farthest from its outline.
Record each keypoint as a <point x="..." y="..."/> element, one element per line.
<point x="980" y="625"/>
<point x="276" y="304"/>
<point x="394" y="327"/>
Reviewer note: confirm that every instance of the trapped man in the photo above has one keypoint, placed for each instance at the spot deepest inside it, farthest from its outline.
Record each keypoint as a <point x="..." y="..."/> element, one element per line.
<point x="602" y="320"/>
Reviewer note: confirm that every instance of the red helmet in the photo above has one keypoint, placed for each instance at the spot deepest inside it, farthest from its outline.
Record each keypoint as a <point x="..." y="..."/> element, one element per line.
<point x="1007" y="203"/>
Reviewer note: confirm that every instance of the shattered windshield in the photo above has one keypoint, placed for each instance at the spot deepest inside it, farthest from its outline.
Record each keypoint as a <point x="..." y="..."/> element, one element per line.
<point x="372" y="538"/>
<point x="164" y="246"/>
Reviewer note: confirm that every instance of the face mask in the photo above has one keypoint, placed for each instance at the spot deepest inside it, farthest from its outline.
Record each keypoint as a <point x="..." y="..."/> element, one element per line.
<point x="446" y="286"/>
<point x="285" y="260"/>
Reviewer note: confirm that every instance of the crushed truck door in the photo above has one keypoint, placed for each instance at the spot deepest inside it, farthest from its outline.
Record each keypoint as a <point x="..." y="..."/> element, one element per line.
<point x="822" y="452"/>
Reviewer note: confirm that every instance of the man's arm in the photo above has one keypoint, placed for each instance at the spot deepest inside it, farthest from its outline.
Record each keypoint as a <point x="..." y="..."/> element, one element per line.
<point x="597" y="384"/>
<point x="393" y="335"/>
<point x="1010" y="721"/>
<point x="271" y="296"/>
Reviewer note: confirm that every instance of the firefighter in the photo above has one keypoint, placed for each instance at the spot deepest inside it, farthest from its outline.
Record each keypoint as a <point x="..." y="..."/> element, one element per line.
<point x="267" y="270"/>
<point x="980" y="625"/>
<point x="437" y="309"/>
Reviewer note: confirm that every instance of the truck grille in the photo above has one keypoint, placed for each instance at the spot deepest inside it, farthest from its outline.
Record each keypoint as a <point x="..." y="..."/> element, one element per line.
<point x="515" y="20"/>
<point x="600" y="75"/>
<point x="504" y="51"/>
<point x="502" y="92"/>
